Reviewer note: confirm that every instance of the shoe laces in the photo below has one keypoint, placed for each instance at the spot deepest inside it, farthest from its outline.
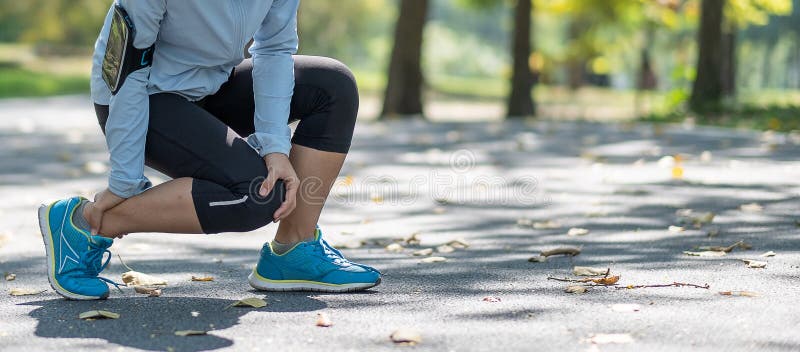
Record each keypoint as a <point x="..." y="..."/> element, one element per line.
<point x="327" y="251"/>
<point x="92" y="263"/>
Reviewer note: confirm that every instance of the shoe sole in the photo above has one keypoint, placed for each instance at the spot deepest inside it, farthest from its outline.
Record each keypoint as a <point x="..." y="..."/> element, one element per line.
<point x="47" y="237"/>
<point x="260" y="283"/>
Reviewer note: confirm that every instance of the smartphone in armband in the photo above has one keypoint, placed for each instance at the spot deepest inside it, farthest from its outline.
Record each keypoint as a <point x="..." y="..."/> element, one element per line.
<point x="121" y="57"/>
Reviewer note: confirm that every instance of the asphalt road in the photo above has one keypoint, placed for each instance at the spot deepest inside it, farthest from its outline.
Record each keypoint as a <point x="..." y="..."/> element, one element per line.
<point x="443" y="181"/>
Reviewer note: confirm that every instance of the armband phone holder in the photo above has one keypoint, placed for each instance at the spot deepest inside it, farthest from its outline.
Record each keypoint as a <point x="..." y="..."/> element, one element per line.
<point x="121" y="57"/>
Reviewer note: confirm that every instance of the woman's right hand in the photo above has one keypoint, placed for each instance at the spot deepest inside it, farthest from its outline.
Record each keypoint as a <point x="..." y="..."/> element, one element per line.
<point x="93" y="212"/>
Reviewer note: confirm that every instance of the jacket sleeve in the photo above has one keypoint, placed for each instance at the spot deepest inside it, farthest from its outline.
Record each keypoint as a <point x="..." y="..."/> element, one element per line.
<point x="129" y="109"/>
<point x="273" y="77"/>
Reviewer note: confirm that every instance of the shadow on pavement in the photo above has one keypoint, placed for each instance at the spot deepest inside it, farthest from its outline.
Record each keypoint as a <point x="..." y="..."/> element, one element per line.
<point x="150" y="323"/>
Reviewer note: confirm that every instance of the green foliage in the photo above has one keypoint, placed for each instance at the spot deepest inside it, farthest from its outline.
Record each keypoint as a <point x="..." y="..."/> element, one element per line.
<point x="55" y="24"/>
<point x="771" y="117"/>
<point x="742" y="13"/>
<point x="16" y="82"/>
<point x="353" y="31"/>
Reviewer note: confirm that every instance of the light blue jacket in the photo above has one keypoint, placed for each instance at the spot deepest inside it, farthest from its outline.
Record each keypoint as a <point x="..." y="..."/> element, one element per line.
<point x="197" y="44"/>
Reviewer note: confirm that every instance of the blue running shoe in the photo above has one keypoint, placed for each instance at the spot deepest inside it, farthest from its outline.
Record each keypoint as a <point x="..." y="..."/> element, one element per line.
<point x="311" y="266"/>
<point x="74" y="256"/>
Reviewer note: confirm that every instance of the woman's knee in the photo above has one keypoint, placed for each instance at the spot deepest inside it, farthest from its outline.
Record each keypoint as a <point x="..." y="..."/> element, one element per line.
<point x="244" y="210"/>
<point x="258" y="211"/>
<point x="334" y="79"/>
<point x="326" y="103"/>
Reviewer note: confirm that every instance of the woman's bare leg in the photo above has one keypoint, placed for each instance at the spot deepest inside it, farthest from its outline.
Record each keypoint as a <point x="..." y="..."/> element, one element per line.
<point x="166" y="208"/>
<point x="317" y="171"/>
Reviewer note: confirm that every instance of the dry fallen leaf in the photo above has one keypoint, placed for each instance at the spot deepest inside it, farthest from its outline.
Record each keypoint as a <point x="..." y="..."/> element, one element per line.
<point x="423" y="252"/>
<point x="202" y="278"/>
<point x="727" y="249"/>
<point x="689" y="216"/>
<point x="394" y="248"/>
<point x="4" y="238"/>
<point x="756" y="264"/>
<point x="152" y="291"/>
<point x="610" y="280"/>
<point x="602" y="339"/>
<point x="568" y="251"/>
<point x="588" y="271"/>
<point x="625" y="308"/>
<point x="491" y="299"/>
<point x="323" y="320"/>
<point x="458" y="244"/>
<point x="524" y="222"/>
<point x="677" y="172"/>
<point x="575" y="289"/>
<point x="433" y="260"/>
<point x="751" y="208"/>
<point x="413" y="239"/>
<point x="537" y="259"/>
<point x="136" y="278"/>
<point x="253" y="302"/>
<point x="769" y="254"/>
<point x="406" y="336"/>
<point x="190" y="332"/>
<point x="705" y="253"/>
<point x="740" y="293"/>
<point x="10" y="276"/>
<point x="98" y="314"/>
<point x="706" y="156"/>
<point x="577" y="231"/>
<point x="445" y="249"/>
<point x="546" y="225"/>
<point x="24" y="291"/>
<point x="675" y="229"/>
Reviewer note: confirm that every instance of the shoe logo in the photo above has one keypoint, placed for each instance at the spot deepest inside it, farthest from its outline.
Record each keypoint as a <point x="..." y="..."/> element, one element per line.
<point x="62" y="240"/>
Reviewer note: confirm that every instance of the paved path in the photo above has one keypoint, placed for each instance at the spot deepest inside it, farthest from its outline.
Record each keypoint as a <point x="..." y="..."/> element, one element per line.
<point x="444" y="182"/>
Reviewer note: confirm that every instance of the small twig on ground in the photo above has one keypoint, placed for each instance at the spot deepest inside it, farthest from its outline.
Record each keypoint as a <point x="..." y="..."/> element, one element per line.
<point x="602" y="281"/>
<point x="591" y="283"/>
<point x="569" y="280"/>
<point x="674" y="284"/>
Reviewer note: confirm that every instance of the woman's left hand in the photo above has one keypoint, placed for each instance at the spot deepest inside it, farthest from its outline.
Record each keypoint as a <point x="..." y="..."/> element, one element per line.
<point x="279" y="168"/>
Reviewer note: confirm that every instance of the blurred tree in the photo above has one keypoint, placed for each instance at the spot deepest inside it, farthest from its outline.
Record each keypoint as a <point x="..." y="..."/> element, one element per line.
<point x="520" y="100"/>
<point x="740" y="14"/>
<point x="707" y="88"/>
<point x="403" y="95"/>
<point x="720" y="22"/>
<point x="62" y="26"/>
<point x="345" y="30"/>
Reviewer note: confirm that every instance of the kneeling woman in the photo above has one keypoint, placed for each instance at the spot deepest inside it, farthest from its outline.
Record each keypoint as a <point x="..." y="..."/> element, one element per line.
<point x="172" y="90"/>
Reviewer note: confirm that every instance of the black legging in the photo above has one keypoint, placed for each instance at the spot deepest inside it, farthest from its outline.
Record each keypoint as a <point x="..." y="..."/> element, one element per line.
<point x="203" y="140"/>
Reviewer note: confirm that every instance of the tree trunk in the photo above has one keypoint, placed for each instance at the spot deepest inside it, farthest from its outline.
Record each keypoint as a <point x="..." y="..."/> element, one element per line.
<point x="728" y="67"/>
<point x="707" y="89"/>
<point x="647" y="79"/>
<point x="520" y="101"/>
<point x="403" y="95"/>
<point x="576" y="62"/>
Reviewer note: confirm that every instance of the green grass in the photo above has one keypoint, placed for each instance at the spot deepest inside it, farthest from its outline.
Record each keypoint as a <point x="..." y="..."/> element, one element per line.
<point x="19" y="82"/>
<point x="783" y="118"/>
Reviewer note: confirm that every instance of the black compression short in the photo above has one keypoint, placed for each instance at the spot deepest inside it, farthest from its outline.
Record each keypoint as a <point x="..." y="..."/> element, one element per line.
<point x="203" y="140"/>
